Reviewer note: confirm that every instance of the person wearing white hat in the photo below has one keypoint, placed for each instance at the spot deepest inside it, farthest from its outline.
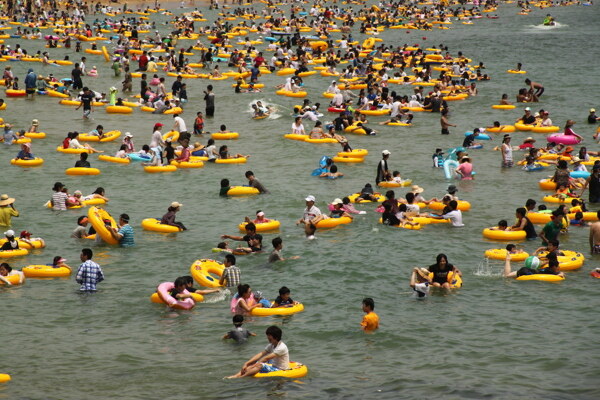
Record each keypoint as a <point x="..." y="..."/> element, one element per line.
<point x="337" y="210"/>
<point x="527" y="117"/>
<point x="577" y="165"/>
<point x="383" y="171"/>
<point x="7" y="210"/>
<point x="592" y="117"/>
<point x="169" y="217"/>
<point x="128" y="142"/>
<point x="312" y="215"/>
<point x="11" y="243"/>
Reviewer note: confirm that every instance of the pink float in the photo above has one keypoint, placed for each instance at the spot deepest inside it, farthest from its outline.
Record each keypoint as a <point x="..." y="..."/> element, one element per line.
<point x="563" y="139"/>
<point x="163" y="292"/>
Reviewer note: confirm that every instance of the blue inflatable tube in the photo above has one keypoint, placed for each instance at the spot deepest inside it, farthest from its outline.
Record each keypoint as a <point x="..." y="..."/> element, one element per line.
<point x="137" y="157"/>
<point x="449" y="167"/>
<point x="481" y="136"/>
<point x="580" y="174"/>
<point x="270" y="39"/>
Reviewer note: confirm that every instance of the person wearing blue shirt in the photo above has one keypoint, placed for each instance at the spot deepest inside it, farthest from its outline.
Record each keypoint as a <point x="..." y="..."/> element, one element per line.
<point x="125" y="232"/>
<point x="89" y="273"/>
<point x="25" y="153"/>
<point x="9" y="135"/>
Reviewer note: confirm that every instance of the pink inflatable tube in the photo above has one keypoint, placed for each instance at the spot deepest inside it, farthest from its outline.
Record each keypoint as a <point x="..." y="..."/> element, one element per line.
<point x="163" y="293"/>
<point x="563" y="139"/>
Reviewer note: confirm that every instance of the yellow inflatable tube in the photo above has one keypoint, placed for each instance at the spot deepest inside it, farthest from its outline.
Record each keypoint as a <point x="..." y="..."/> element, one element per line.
<point x="153" y="224"/>
<point x="36" y="162"/>
<point x="272" y="225"/>
<point x="333" y="222"/>
<point x="242" y="191"/>
<point x="203" y="272"/>
<point x="97" y="216"/>
<point x="379" y="198"/>
<point x="156" y="169"/>
<point x="438" y="206"/>
<point x="541" y="277"/>
<point x="239" y="160"/>
<point x="82" y="171"/>
<point x="117" y="160"/>
<point x="4" y="378"/>
<point x="13" y="253"/>
<point x="296" y="371"/>
<point x="45" y="271"/>
<point x="155" y="298"/>
<point x="265" y="312"/>
<point x="225" y="135"/>
<point x="500" y="254"/>
<point x="503" y="235"/>
<point x="385" y="184"/>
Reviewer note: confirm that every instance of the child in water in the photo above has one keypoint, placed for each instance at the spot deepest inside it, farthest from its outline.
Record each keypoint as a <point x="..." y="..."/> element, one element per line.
<point x="419" y="281"/>
<point x="239" y="334"/>
<point x="284" y="299"/>
<point x="370" y="321"/>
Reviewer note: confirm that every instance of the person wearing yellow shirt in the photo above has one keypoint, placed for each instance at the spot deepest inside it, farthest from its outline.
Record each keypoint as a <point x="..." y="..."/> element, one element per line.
<point x="7" y="210"/>
<point x="370" y="321"/>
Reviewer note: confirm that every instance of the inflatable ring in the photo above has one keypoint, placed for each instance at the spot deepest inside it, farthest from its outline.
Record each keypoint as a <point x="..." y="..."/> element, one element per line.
<point x="154" y="225"/>
<point x="96" y="217"/>
<point x="239" y="160"/>
<point x="54" y="93"/>
<point x="225" y="135"/>
<point x="501" y="129"/>
<point x="265" y="312"/>
<point x="45" y="271"/>
<point x="454" y="280"/>
<point x="554" y="199"/>
<point x="173" y="135"/>
<point x="339" y="159"/>
<point x="272" y="225"/>
<point x="545" y="129"/>
<point x="174" y="110"/>
<point x="409" y="227"/>
<point x="118" y="160"/>
<point x="73" y="151"/>
<point x="163" y="168"/>
<point x="539" y="218"/>
<point x="333" y="222"/>
<point x="108" y="137"/>
<point x="504" y="235"/>
<point x="385" y="184"/>
<point x="587" y="216"/>
<point x="203" y="270"/>
<point x="4" y="378"/>
<point x="520" y="126"/>
<point x="296" y="371"/>
<point x="35" y="135"/>
<point x="13" y="253"/>
<point x="295" y="136"/>
<point x="35" y="244"/>
<point x="288" y="93"/>
<point x="398" y="124"/>
<point x="563" y="139"/>
<point x="119" y="110"/>
<point x="354" y="153"/>
<point x="36" y="162"/>
<point x="500" y="254"/>
<point x="319" y="141"/>
<point x="242" y="191"/>
<point x="187" y="164"/>
<point x="438" y="206"/>
<point x="429" y="220"/>
<point x="503" y="106"/>
<point x="375" y="112"/>
<point x="163" y="292"/>
<point x="513" y="71"/>
<point x="155" y="298"/>
<point x="547" y="184"/>
<point x="380" y="198"/>
<point x="541" y="277"/>
<point x="16" y="93"/>
<point x="15" y="279"/>
<point x="82" y="171"/>
<point x="570" y="261"/>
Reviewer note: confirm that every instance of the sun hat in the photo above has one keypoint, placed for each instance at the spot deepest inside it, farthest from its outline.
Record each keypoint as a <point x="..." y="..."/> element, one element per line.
<point x="310" y="197"/>
<point x="35" y="122"/>
<point x="527" y="109"/>
<point x="77" y="192"/>
<point x="592" y="110"/>
<point x="176" y="204"/>
<point x="9" y="233"/>
<point x="465" y="158"/>
<point x="5" y="200"/>
<point x="417" y="189"/>
<point x="337" y="201"/>
<point x="569" y="149"/>
<point x="529" y="139"/>
<point x="452" y="189"/>
<point x="128" y="134"/>
<point x="576" y="159"/>
<point x="158" y="125"/>
<point x="386" y="152"/>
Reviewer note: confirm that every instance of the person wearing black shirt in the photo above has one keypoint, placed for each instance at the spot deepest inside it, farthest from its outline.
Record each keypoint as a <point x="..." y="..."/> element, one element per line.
<point x="253" y="239"/>
<point x="177" y="86"/>
<point x="209" y="98"/>
<point x="76" y="76"/>
<point x="86" y="101"/>
<point x="83" y="162"/>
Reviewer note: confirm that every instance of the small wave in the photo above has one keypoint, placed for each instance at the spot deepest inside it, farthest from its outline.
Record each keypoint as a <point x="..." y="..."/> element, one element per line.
<point x="217" y="297"/>
<point x="542" y="27"/>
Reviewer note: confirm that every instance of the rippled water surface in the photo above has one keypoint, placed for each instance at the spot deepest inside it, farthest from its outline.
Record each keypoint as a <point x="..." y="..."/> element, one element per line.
<point x="494" y="338"/>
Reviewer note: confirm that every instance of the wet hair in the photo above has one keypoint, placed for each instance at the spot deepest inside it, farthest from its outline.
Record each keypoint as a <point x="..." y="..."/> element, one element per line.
<point x="179" y="282"/>
<point x="439" y="257"/>
<point x="188" y="280"/>
<point x="275" y="332"/>
<point x="57" y="186"/>
<point x="238" y="320"/>
<point x="530" y="203"/>
<point x="510" y="247"/>
<point x="250" y="227"/>
<point x="99" y="190"/>
<point x="276" y="242"/>
<point x="222" y="245"/>
<point x="284" y="290"/>
<point x="410" y="197"/>
<point x="230" y="258"/>
<point x="333" y="169"/>
<point x="503" y="223"/>
<point x="522" y="211"/>
<point x="369" y="302"/>
<point x="224" y="182"/>
<point x="401" y="207"/>
<point x="249" y="174"/>
<point x="390" y="194"/>
<point x="243" y="289"/>
<point x="554" y="242"/>
<point x="88" y="253"/>
<point x="80" y="219"/>
<point x="8" y="267"/>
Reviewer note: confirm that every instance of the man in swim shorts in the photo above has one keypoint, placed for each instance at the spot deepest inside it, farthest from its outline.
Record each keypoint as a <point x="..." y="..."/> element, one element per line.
<point x="595" y="236"/>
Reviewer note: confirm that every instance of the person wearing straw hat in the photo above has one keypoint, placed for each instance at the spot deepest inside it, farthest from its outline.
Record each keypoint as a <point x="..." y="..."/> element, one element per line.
<point x="592" y="117"/>
<point x="417" y="190"/>
<point x="465" y="169"/>
<point x="169" y="217"/>
<point x="7" y="210"/>
<point x="527" y="143"/>
<point x="35" y="124"/>
<point x="419" y="282"/>
<point x="25" y="153"/>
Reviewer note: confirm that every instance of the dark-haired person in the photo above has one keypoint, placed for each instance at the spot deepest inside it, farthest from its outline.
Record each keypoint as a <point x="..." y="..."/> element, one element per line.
<point x="276" y="253"/>
<point x="595" y="236"/>
<point x="125" y="232"/>
<point x="253" y="239"/>
<point x="454" y="214"/>
<point x="524" y="224"/>
<point x="83" y="162"/>
<point x="231" y="274"/>
<point x="89" y="273"/>
<point x="553" y="268"/>
<point x="440" y="271"/>
<point x="80" y="232"/>
<point x="253" y="182"/>
<point x="276" y="352"/>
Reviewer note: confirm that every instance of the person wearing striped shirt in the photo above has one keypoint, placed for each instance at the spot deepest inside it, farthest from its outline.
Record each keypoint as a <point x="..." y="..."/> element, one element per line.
<point x="125" y="232"/>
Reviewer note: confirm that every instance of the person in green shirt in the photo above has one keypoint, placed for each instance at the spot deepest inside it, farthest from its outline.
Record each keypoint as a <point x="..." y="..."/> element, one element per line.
<point x="224" y="187"/>
<point x="551" y="229"/>
<point x="7" y="210"/>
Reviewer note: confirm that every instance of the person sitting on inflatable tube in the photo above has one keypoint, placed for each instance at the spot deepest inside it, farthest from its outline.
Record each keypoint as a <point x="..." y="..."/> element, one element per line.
<point x="25" y="237"/>
<point x="337" y="210"/>
<point x="469" y="141"/>
<point x="83" y="162"/>
<point x="239" y="334"/>
<point x="169" y="217"/>
<point x="184" y="283"/>
<point x="366" y="193"/>
<point x="6" y="271"/>
<point x="530" y="268"/>
<point x="253" y="239"/>
<point x="25" y="153"/>
<point x="276" y="352"/>
<point x="569" y="130"/>
<point x="440" y="271"/>
<point x="311" y="216"/>
<point x="454" y="215"/>
<point x="11" y="242"/>
<point x="552" y="249"/>
<point x="260" y="218"/>
<point x="420" y="282"/>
